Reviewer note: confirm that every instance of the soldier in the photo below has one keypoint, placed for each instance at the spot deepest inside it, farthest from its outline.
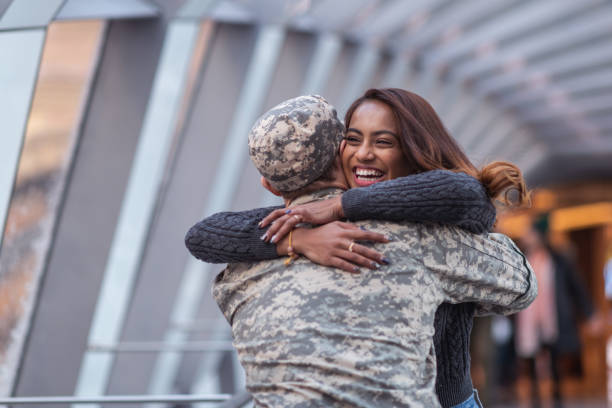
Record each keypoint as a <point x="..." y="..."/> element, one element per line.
<point x="309" y="335"/>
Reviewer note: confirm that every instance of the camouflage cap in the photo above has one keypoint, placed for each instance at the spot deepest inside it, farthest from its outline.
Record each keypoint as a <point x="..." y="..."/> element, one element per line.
<point x="295" y="142"/>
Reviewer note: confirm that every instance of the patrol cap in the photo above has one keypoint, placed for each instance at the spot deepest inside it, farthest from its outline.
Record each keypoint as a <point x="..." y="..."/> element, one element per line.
<point x="295" y="142"/>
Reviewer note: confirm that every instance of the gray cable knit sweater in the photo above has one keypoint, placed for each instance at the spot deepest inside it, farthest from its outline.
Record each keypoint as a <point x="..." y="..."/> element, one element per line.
<point x="434" y="196"/>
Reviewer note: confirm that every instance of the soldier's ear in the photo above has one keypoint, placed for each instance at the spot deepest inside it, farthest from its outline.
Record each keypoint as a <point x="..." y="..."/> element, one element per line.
<point x="269" y="187"/>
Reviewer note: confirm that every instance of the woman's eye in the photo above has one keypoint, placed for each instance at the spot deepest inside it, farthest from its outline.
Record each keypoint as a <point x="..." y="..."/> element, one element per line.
<point x="352" y="139"/>
<point x="384" y="142"/>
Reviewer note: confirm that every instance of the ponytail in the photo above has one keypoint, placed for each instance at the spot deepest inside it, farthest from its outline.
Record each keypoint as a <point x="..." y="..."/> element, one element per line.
<point x="500" y="179"/>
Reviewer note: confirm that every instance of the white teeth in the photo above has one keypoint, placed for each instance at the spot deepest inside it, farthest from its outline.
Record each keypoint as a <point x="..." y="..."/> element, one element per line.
<point x="368" y="173"/>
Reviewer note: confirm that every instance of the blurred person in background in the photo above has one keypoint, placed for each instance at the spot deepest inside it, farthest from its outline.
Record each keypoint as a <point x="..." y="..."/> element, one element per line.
<point x="607" y="318"/>
<point x="440" y="185"/>
<point x="608" y="264"/>
<point x="550" y="324"/>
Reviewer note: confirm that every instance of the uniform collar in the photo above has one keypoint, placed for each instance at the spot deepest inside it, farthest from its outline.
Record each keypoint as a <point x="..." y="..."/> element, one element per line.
<point x="322" y="194"/>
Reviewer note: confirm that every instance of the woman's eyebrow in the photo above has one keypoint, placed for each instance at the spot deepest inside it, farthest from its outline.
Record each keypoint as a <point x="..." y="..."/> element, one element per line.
<point x="376" y="133"/>
<point x="382" y="132"/>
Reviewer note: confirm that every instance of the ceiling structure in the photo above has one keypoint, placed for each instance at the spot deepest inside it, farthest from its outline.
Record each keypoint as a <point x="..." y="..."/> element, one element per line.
<point x="539" y="72"/>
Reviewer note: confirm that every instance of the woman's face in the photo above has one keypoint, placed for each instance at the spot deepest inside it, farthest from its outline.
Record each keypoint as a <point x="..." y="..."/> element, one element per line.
<point x="371" y="150"/>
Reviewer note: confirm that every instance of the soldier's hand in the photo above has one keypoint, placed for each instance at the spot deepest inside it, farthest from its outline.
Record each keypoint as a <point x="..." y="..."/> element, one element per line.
<point x="337" y="244"/>
<point x="284" y="220"/>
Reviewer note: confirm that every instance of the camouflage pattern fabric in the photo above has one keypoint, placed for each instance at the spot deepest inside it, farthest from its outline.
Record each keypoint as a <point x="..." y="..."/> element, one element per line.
<point x="295" y="142"/>
<point x="313" y="336"/>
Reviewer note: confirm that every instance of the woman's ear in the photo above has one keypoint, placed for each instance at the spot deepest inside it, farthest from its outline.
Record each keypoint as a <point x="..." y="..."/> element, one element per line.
<point x="269" y="187"/>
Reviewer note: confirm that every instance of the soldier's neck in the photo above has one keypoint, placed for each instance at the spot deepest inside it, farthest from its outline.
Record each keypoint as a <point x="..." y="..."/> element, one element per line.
<point x="327" y="191"/>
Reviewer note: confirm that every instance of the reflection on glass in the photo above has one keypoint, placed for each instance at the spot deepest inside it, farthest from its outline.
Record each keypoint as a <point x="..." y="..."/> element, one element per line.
<point x="68" y="58"/>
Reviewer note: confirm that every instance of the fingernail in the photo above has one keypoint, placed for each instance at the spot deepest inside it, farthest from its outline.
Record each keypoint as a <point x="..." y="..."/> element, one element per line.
<point x="361" y="227"/>
<point x="273" y="240"/>
<point x="355" y="269"/>
<point x="287" y="211"/>
<point x="388" y="238"/>
<point x="385" y="261"/>
<point x="264" y="236"/>
<point x="260" y="223"/>
<point x="375" y="265"/>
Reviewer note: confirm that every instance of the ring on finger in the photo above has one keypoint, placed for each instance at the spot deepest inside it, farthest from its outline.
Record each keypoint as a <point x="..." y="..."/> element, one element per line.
<point x="350" y="247"/>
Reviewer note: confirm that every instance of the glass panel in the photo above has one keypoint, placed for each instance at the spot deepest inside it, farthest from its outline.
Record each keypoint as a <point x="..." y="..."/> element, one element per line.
<point x="29" y="13"/>
<point x="16" y="81"/>
<point x="66" y="67"/>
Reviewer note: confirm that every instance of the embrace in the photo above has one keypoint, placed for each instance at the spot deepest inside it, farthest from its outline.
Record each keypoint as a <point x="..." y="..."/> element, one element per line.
<point x="375" y="311"/>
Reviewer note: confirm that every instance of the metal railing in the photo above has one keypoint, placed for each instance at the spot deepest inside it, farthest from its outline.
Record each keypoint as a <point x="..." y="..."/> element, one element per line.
<point x="158" y="347"/>
<point x="228" y="400"/>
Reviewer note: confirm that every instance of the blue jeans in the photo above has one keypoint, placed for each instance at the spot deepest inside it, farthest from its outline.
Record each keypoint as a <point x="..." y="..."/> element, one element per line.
<point x="472" y="402"/>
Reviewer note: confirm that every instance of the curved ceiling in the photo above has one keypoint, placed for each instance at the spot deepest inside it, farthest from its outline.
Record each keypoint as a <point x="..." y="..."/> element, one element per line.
<point x="524" y="80"/>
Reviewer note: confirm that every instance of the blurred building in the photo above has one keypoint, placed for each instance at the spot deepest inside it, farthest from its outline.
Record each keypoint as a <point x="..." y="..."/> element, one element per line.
<point x="123" y="122"/>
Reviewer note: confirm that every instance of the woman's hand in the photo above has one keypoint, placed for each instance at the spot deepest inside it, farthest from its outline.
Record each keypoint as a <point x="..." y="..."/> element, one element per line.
<point x="335" y="244"/>
<point x="317" y="212"/>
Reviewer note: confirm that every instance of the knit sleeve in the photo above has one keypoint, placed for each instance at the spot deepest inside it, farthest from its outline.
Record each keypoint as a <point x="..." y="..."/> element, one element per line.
<point x="231" y="237"/>
<point x="439" y="196"/>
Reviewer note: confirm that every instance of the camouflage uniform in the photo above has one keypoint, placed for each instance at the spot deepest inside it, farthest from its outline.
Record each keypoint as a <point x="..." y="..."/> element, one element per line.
<point x="313" y="336"/>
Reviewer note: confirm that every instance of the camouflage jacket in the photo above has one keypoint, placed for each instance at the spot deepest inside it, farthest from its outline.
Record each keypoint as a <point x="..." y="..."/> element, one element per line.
<point x="313" y="336"/>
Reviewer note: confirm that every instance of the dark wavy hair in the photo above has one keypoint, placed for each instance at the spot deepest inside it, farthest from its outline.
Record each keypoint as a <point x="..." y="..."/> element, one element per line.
<point x="427" y="145"/>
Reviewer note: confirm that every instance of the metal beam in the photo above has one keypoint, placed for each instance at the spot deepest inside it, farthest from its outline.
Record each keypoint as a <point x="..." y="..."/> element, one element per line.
<point x="462" y="111"/>
<point x="107" y="9"/>
<point x="195" y="8"/>
<point x="332" y="15"/>
<point x="570" y="89"/>
<point x="117" y="399"/>
<point x="489" y="143"/>
<point x="388" y="18"/>
<point x="527" y="16"/>
<point x="3" y="6"/>
<point x="359" y="76"/>
<point x="29" y="14"/>
<point x="475" y="122"/>
<point x="325" y="55"/>
<point x="449" y="21"/>
<point x="545" y="70"/>
<point x="584" y="26"/>
<point x="197" y="274"/>
<point x="576" y="108"/>
<point x="158" y="347"/>
<point x="398" y="71"/>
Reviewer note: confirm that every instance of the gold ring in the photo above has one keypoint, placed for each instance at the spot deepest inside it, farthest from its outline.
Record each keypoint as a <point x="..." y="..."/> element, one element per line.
<point x="350" y="248"/>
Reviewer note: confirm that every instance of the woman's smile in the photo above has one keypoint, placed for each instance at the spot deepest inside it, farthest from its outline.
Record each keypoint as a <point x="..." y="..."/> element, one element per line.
<point x="364" y="176"/>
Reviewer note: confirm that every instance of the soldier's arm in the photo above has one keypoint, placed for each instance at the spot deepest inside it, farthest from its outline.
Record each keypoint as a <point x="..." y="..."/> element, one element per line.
<point x="436" y="196"/>
<point x="489" y="271"/>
